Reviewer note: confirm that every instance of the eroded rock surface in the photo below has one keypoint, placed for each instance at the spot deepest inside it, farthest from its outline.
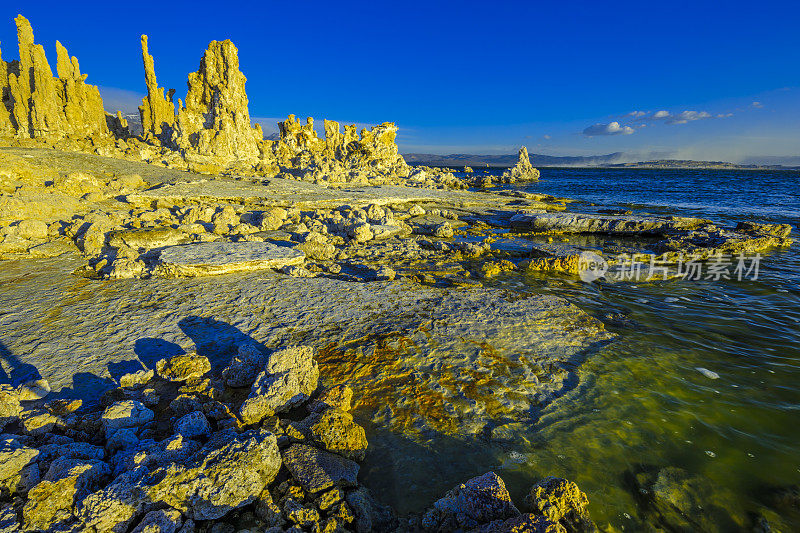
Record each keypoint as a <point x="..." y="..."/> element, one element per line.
<point x="224" y="257"/>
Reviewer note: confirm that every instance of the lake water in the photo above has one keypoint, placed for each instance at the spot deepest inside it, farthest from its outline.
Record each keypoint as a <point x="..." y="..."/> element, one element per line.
<point x="699" y="397"/>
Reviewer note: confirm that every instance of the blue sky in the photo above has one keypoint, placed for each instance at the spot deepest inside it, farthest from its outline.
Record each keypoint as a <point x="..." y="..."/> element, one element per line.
<point x="702" y="80"/>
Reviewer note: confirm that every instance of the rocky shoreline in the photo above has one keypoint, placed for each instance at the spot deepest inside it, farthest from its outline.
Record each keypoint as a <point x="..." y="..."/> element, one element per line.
<point x="258" y="447"/>
<point x="299" y="267"/>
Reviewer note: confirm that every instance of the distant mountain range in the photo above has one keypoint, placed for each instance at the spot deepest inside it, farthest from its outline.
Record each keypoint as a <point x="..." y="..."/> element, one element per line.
<point x="473" y="160"/>
<point x="617" y="159"/>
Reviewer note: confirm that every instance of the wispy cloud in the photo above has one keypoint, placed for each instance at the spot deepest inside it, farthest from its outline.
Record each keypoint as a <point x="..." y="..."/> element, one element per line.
<point x="667" y="117"/>
<point x="687" y="116"/>
<point x="757" y="105"/>
<point x="612" y="128"/>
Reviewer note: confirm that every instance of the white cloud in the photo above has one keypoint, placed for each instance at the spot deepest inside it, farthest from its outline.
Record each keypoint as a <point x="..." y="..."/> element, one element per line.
<point x="546" y="137"/>
<point x="757" y="105"/>
<point x="636" y="114"/>
<point x="688" y="116"/>
<point x="660" y="114"/>
<point x="612" y="128"/>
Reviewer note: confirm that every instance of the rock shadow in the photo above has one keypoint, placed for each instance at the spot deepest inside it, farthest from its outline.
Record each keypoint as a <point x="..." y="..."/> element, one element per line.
<point x="215" y="339"/>
<point x="13" y="371"/>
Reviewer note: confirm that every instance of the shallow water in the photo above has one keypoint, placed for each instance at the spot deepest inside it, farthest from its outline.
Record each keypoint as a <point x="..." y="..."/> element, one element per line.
<point x="704" y="375"/>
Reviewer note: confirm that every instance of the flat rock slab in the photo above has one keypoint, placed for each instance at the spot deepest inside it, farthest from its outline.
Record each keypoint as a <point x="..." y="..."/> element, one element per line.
<point x="203" y="259"/>
<point x="608" y="224"/>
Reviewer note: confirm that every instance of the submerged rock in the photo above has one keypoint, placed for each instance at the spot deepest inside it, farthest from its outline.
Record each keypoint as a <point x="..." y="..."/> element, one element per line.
<point x="369" y="514"/>
<point x="561" y="501"/>
<point x="608" y="224"/>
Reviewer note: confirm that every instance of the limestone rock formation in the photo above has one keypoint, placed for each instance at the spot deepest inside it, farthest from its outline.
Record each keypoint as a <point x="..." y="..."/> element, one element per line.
<point x="213" y="128"/>
<point x="341" y="152"/>
<point x="215" y="120"/>
<point x="522" y="171"/>
<point x="38" y="105"/>
<point x="156" y="111"/>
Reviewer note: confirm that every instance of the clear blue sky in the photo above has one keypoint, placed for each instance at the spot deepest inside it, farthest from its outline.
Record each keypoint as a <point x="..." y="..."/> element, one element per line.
<point x="714" y="79"/>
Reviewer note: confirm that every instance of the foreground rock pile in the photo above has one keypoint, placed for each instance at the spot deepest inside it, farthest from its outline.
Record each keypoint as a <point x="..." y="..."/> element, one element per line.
<point x="258" y="447"/>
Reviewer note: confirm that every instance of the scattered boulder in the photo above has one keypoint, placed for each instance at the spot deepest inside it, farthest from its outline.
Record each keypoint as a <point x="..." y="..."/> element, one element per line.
<point x="125" y="414"/>
<point x="245" y="366"/>
<point x="17" y="466"/>
<point x="289" y="378"/>
<point x="479" y="501"/>
<point x="10" y="407"/>
<point x="34" y="390"/>
<point x="51" y="502"/>
<point x="32" y="229"/>
<point x="183" y="367"/>
<point x="336" y="431"/>
<point x="316" y="470"/>
<point x="160" y="521"/>
<point x="136" y="380"/>
<point x="193" y="425"/>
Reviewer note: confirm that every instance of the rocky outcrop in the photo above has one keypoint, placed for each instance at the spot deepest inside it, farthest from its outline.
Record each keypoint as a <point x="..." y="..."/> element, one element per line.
<point x="37" y="104"/>
<point x="522" y="171"/>
<point x="342" y="155"/>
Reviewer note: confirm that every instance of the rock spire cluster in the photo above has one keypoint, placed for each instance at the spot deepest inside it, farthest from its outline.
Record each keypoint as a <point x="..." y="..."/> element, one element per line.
<point x="210" y="132"/>
<point x="37" y="104"/>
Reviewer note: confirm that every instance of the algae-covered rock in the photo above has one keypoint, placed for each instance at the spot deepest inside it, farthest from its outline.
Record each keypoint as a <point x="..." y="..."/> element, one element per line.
<point x="561" y="501"/>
